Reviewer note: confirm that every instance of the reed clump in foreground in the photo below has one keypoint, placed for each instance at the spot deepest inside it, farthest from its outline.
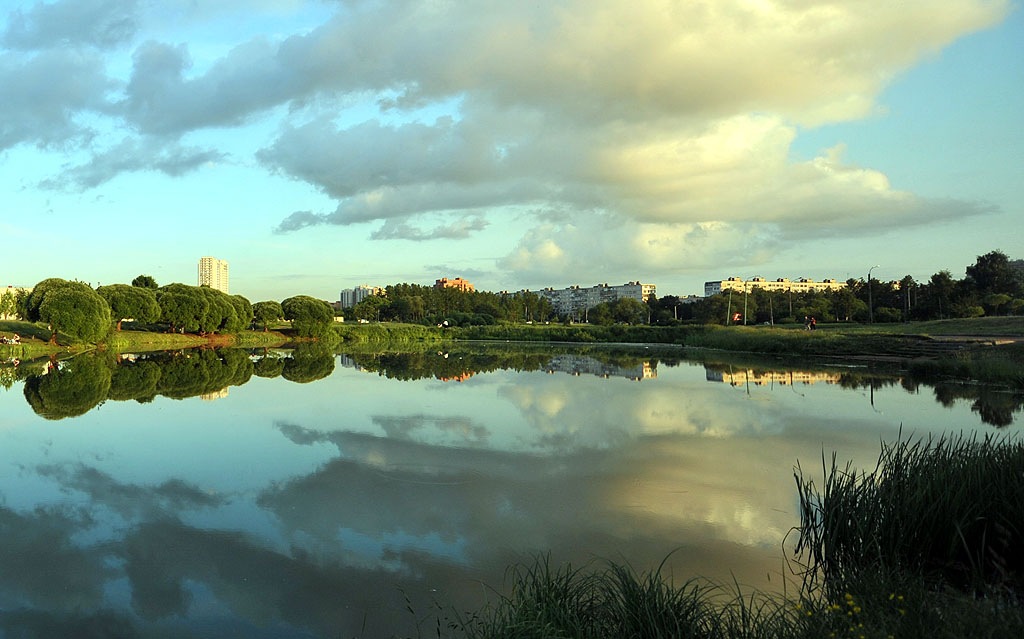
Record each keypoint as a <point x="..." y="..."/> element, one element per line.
<point x="950" y="510"/>
<point x="929" y="544"/>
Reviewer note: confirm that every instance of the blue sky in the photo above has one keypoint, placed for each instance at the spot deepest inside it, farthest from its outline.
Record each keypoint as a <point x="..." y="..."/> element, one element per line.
<point x="318" y="145"/>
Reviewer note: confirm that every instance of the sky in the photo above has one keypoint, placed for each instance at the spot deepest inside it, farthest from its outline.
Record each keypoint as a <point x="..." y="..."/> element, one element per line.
<point x="317" y="145"/>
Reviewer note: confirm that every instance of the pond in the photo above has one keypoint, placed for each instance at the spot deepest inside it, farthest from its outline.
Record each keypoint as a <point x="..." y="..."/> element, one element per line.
<point x="304" y="493"/>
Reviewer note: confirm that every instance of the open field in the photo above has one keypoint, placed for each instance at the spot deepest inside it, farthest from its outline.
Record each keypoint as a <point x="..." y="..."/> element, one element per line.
<point x="974" y="327"/>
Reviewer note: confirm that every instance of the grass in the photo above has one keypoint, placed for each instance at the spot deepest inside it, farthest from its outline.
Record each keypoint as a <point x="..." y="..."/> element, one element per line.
<point x="611" y="600"/>
<point x="950" y="511"/>
<point x="978" y="326"/>
<point x="387" y="332"/>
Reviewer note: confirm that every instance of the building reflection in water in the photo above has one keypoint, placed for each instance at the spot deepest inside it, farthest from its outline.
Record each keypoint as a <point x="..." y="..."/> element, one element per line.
<point x="576" y="365"/>
<point x="769" y="378"/>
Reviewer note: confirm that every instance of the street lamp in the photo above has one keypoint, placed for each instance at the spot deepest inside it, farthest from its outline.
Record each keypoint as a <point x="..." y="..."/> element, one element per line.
<point x="871" y="308"/>
<point x="744" y="302"/>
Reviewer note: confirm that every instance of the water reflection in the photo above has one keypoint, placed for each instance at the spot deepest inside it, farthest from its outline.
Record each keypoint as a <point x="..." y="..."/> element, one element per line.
<point x="322" y="506"/>
<point x="73" y="387"/>
<point x="994" y="405"/>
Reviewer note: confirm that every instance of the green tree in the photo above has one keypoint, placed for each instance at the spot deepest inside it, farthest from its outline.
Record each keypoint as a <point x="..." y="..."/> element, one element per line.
<point x="940" y="292"/>
<point x="182" y="310"/>
<point x="130" y="302"/>
<point x="267" y="311"/>
<point x="220" y="313"/>
<point x="371" y="308"/>
<point x="601" y="315"/>
<point x="846" y="306"/>
<point x="145" y="281"/>
<point x="243" y="312"/>
<point x="995" y="302"/>
<point x="309" y="316"/>
<point x="715" y="309"/>
<point x="77" y="311"/>
<point x="992" y="273"/>
<point x="203" y="309"/>
<point x="8" y="303"/>
<point x="629" y="311"/>
<point x="32" y="302"/>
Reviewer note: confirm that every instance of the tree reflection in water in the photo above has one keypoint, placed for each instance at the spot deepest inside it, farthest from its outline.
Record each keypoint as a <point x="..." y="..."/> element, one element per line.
<point x="76" y="386"/>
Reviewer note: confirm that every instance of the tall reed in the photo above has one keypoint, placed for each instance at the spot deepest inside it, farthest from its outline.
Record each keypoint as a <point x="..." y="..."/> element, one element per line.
<point x="950" y="510"/>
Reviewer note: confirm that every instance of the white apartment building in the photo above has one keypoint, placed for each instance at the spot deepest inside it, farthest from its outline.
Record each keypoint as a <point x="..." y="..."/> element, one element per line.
<point x="783" y="284"/>
<point x="213" y="273"/>
<point x="351" y="297"/>
<point x="576" y="299"/>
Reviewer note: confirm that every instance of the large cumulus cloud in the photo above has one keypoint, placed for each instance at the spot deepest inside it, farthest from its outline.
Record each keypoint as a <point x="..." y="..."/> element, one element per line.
<point x="667" y="128"/>
<point x="657" y="124"/>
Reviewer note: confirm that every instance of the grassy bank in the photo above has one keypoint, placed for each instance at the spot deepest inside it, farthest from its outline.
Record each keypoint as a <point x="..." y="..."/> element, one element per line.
<point x="841" y="338"/>
<point x="388" y="332"/>
<point x="928" y="544"/>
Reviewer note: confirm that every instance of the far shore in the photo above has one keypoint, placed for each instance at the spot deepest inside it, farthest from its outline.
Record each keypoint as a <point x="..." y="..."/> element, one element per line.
<point x="985" y="349"/>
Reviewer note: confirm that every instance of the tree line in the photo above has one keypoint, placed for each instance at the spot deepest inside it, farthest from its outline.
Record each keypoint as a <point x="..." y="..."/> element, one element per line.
<point x="85" y="314"/>
<point x="993" y="285"/>
<point x="418" y="304"/>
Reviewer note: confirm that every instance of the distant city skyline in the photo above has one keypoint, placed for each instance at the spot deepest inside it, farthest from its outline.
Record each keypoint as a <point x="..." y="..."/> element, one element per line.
<point x="317" y="146"/>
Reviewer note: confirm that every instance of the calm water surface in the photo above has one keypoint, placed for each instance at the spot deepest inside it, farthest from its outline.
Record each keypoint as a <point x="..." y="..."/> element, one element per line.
<point x="307" y="494"/>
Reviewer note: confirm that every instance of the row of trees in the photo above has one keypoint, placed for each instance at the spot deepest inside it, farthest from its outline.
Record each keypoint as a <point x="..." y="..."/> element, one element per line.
<point x="429" y="305"/>
<point x="993" y="285"/>
<point x="85" y="314"/>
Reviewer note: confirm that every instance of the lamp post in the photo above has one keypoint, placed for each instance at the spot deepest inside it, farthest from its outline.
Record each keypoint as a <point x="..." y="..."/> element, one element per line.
<point x="744" y="302"/>
<point x="871" y="308"/>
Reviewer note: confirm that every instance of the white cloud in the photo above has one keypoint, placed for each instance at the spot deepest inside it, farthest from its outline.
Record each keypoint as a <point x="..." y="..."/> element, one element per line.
<point x="45" y="96"/>
<point x="132" y="155"/>
<point x="100" y="23"/>
<point x="658" y="126"/>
